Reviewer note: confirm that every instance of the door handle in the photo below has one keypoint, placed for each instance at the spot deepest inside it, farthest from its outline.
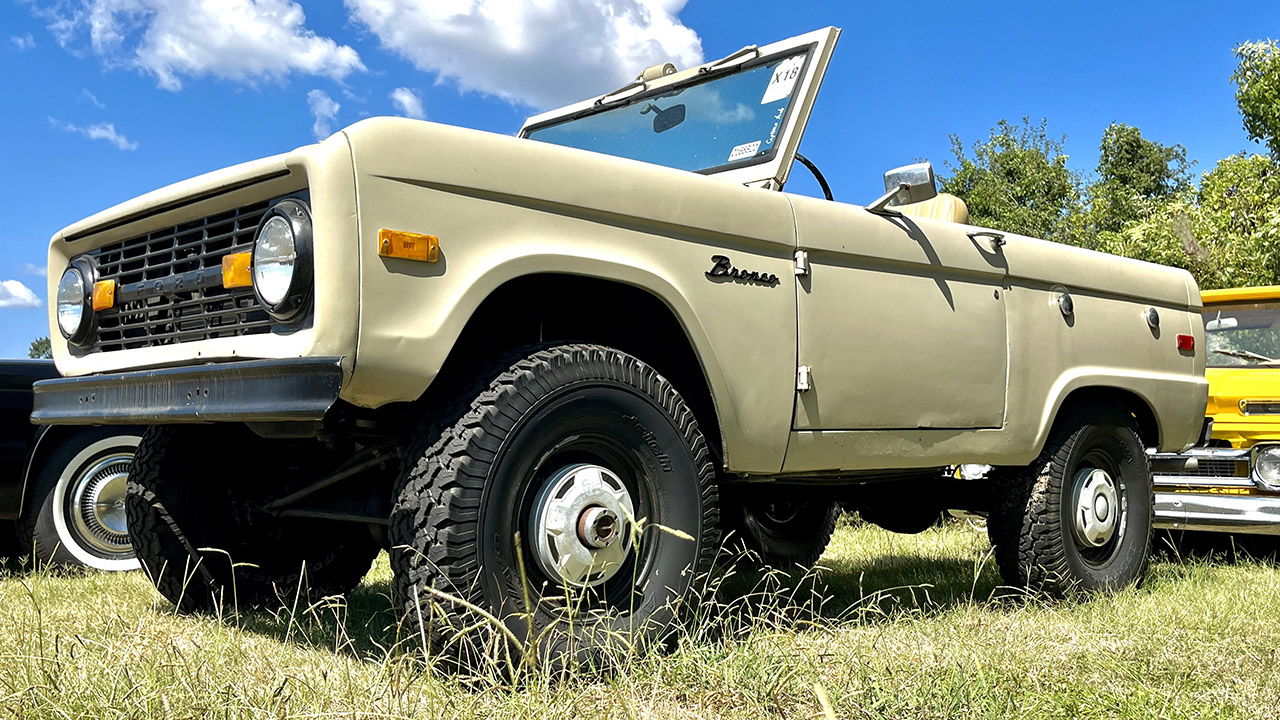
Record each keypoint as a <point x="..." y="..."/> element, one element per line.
<point x="996" y="239"/>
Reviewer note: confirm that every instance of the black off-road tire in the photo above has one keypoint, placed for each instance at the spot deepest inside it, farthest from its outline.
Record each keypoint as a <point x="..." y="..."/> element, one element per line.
<point x="192" y="512"/>
<point x="57" y="532"/>
<point x="783" y="537"/>
<point x="1031" y="520"/>
<point x="464" y="502"/>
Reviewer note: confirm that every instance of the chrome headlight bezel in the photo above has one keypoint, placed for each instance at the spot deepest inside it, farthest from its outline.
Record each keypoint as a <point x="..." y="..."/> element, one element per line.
<point x="297" y="298"/>
<point x="1265" y="462"/>
<point x="82" y="334"/>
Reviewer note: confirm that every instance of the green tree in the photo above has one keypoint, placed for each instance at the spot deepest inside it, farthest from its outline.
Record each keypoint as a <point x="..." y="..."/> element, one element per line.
<point x="40" y="348"/>
<point x="1257" y="80"/>
<point x="1135" y="176"/>
<point x="1016" y="180"/>
<point x="1226" y="235"/>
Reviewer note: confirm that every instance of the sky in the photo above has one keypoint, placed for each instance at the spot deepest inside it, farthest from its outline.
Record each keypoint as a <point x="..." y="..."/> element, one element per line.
<point x="103" y="100"/>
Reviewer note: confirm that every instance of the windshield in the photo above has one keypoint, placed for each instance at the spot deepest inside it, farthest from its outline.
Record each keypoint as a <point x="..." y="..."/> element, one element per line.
<point x="728" y="120"/>
<point x="1240" y="334"/>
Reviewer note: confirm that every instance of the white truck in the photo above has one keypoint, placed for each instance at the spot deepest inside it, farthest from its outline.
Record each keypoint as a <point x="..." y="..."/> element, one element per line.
<point x="565" y="363"/>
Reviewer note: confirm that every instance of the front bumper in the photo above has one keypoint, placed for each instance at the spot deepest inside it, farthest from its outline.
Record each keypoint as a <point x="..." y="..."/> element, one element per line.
<point x="246" y="391"/>
<point x="1217" y="493"/>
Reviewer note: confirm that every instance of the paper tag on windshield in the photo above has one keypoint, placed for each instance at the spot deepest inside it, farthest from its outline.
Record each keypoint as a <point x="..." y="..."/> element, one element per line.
<point x="744" y="151"/>
<point x="783" y="80"/>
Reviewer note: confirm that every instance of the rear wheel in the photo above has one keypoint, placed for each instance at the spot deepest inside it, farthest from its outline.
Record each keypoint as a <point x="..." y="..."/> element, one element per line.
<point x="76" y="515"/>
<point x="194" y="509"/>
<point x="576" y="480"/>
<point x="1079" y="519"/>
<point x="784" y="532"/>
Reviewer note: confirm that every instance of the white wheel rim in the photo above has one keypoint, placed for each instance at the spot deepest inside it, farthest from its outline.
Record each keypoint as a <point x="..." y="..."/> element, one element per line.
<point x="1095" y="506"/>
<point x="580" y="526"/>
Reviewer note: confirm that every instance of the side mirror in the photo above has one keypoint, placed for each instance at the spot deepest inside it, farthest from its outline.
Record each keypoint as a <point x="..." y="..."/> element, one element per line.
<point x="913" y="183"/>
<point x="907" y="184"/>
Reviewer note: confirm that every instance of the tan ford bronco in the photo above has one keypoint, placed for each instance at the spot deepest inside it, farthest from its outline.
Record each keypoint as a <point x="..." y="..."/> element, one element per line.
<point x="567" y="364"/>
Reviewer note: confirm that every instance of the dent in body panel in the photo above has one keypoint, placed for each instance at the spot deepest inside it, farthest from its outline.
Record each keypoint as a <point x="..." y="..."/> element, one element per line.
<point x="503" y="208"/>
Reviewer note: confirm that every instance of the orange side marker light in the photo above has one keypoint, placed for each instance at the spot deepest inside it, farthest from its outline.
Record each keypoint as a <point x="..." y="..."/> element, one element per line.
<point x="408" y="246"/>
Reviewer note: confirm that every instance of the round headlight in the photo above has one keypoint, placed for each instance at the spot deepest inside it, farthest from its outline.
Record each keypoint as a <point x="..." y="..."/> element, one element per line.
<point x="282" y="260"/>
<point x="75" y="316"/>
<point x="274" y="257"/>
<point x="1266" y="466"/>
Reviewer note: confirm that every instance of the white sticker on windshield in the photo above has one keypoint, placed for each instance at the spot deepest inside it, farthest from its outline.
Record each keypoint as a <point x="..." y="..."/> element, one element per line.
<point x="783" y="80"/>
<point x="745" y="150"/>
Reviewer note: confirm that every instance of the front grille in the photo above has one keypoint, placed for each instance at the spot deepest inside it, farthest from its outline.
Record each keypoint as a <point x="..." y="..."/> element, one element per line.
<point x="1213" y="468"/>
<point x="149" y="312"/>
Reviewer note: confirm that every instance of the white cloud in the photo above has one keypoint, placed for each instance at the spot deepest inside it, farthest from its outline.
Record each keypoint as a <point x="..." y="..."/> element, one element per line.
<point x="33" y="269"/>
<point x="13" y="294"/>
<point x="92" y="99"/>
<point x="325" y="110"/>
<point x="237" y="40"/>
<point x="23" y="42"/>
<point x="98" y="131"/>
<point x="539" y="53"/>
<point x="408" y="103"/>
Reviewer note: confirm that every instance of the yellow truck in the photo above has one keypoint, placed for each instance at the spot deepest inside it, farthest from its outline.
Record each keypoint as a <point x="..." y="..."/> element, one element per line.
<point x="1232" y="482"/>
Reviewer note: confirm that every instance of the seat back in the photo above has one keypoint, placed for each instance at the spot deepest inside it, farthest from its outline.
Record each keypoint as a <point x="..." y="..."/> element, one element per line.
<point x="943" y="206"/>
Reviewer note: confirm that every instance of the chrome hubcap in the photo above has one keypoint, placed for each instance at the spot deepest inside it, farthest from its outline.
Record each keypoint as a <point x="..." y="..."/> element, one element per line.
<point x="96" y="505"/>
<point x="580" y="526"/>
<point x="1096" y="507"/>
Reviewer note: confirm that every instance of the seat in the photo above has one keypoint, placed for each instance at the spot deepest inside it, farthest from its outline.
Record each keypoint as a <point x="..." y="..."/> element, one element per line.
<point x="942" y="206"/>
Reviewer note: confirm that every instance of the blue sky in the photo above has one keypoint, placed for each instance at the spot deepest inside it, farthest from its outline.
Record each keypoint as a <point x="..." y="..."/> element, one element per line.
<point x="103" y="100"/>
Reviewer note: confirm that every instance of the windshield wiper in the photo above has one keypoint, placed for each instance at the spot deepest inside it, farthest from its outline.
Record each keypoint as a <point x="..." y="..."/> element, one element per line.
<point x="1247" y="355"/>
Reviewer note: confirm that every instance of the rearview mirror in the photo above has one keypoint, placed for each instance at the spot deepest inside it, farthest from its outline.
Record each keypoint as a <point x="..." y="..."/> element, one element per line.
<point x="1221" y="323"/>
<point x="913" y="183"/>
<point x="664" y="120"/>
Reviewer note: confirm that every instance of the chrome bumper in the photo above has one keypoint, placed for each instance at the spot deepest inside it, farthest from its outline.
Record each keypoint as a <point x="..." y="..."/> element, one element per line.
<point x="1198" y="497"/>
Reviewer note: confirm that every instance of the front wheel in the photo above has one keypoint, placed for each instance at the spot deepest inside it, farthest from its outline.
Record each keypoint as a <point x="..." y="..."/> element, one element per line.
<point x="572" y="499"/>
<point x="1079" y="519"/>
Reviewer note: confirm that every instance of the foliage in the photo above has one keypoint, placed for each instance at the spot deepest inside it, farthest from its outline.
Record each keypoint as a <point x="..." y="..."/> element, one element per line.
<point x="1227" y="234"/>
<point x="1016" y="180"/>
<point x="1257" y="80"/>
<point x="1134" y="175"/>
<point x="40" y="348"/>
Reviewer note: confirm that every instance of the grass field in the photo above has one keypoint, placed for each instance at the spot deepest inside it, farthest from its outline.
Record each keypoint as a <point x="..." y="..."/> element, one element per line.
<point x="893" y="627"/>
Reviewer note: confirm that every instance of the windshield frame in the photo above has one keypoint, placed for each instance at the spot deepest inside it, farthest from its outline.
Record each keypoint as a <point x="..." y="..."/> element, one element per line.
<point x="1216" y="360"/>
<point x="770" y="171"/>
<point x="703" y="76"/>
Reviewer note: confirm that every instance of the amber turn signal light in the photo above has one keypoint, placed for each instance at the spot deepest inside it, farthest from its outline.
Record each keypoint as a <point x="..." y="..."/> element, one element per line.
<point x="1186" y="342"/>
<point x="235" y="270"/>
<point x="104" y="295"/>
<point x="408" y="246"/>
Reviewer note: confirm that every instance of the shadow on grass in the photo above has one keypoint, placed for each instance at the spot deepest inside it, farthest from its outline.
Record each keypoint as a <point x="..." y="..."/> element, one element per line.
<point x="1219" y="548"/>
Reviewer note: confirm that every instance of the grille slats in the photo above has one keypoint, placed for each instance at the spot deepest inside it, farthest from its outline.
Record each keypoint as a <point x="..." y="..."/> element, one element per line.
<point x="192" y="314"/>
<point x="1213" y="468"/>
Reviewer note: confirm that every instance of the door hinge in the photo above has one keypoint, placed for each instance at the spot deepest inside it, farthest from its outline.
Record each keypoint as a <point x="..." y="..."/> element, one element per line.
<point x="804" y="378"/>
<point x="802" y="262"/>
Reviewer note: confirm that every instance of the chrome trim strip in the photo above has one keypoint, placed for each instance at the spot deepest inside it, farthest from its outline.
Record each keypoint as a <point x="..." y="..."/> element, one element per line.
<point x="1257" y="514"/>
<point x="1192" y="481"/>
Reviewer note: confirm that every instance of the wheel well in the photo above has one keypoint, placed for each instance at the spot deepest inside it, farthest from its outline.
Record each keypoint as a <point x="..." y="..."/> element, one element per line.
<point x="569" y="308"/>
<point x="1148" y="428"/>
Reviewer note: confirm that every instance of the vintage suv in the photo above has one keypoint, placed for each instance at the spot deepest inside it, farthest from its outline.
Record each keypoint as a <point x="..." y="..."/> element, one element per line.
<point x="1234" y="483"/>
<point x="560" y="365"/>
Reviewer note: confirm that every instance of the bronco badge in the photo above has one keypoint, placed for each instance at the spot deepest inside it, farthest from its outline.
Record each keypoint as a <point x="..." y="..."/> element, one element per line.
<point x="722" y="268"/>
